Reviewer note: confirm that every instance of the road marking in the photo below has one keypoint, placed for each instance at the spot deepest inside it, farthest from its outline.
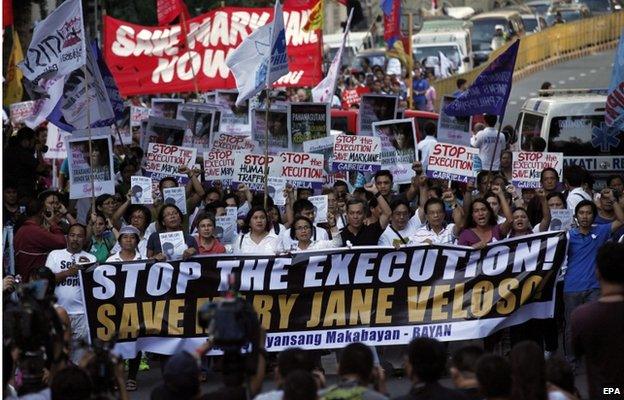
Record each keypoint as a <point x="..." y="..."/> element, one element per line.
<point x="562" y="82"/>
<point x="513" y="103"/>
<point x="582" y="74"/>
<point x="523" y="98"/>
<point x="571" y="78"/>
<point x="592" y="71"/>
<point x="532" y="94"/>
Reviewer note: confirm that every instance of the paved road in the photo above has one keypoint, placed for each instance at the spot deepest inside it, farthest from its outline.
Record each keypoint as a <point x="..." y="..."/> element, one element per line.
<point x="593" y="71"/>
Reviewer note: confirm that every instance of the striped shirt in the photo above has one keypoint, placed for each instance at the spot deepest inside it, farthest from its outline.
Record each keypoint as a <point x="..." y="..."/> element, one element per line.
<point x="446" y="235"/>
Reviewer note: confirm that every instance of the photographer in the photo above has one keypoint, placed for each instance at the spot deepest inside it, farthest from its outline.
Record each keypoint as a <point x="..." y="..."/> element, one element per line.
<point x="65" y="264"/>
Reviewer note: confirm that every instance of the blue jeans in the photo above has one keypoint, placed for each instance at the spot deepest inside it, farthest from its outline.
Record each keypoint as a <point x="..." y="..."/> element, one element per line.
<point x="571" y="301"/>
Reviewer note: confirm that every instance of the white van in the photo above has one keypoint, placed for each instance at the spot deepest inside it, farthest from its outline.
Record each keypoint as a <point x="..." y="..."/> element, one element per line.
<point x="572" y="122"/>
<point x="455" y="45"/>
<point x="356" y="41"/>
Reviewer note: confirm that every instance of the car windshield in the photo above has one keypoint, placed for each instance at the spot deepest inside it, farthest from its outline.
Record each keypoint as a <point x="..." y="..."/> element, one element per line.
<point x="584" y="135"/>
<point x="483" y="31"/>
<point x="597" y="5"/>
<point x="451" y="52"/>
<point x="530" y="23"/>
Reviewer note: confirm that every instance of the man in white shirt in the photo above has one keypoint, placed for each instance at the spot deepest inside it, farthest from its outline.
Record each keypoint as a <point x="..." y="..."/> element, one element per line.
<point x="426" y="144"/>
<point x="401" y="226"/>
<point x="576" y="179"/>
<point x="490" y="143"/>
<point x="65" y="264"/>
<point x="436" y="231"/>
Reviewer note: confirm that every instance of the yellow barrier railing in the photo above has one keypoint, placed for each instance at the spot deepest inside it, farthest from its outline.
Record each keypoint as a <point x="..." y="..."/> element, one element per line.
<point x="554" y="42"/>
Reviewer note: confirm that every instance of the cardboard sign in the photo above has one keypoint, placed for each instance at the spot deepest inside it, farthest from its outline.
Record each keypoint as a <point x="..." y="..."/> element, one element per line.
<point x="303" y="170"/>
<point x="454" y="130"/>
<point x="141" y="188"/>
<point x="219" y="166"/>
<point x="165" y="107"/>
<point x="276" y="129"/>
<point x="375" y="108"/>
<point x="307" y="121"/>
<point x="356" y="153"/>
<point x="163" y="130"/>
<point x="138" y="114"/>
<point x="561" y="220"/>
<point x="234" y="119"/>
<point x="172" y="245"/>
<point x="163" y="160"/>
<point x="320" y="208"/>
<point x="56" y="142"/>
<point x="84" y="169"/>
<point x="249" y="169"/>
<point x="527" y="167"/>
<point x="175" y="196"/>
<point x="21" y="111"/>
<point x="324" y="146"/>
<point x="398" y="138"/>
<point x="226" y="141"/>
<point x="452" y="162"/>
<point x="200" y="120"/>
<point x="226" y="228"/>
<point x="276" y="187"/>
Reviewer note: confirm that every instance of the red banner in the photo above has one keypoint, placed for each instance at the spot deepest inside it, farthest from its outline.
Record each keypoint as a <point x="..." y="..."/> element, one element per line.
<point x="149" y="60"/>
<point x="168" y="10"/>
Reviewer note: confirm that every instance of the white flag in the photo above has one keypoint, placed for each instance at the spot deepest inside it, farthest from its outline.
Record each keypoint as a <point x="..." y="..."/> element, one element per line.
<point x="58" y="44"/>
<point x="446" y="66"/>
<point x="260" y="59"/>
<point x="324" y="91"/>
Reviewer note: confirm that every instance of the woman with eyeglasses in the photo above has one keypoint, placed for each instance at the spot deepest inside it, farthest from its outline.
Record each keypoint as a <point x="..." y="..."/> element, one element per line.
<point x="301" y="235"/>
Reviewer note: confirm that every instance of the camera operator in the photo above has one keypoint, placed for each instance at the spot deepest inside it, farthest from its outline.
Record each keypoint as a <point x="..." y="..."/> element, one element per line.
<point x="65" y="264"/>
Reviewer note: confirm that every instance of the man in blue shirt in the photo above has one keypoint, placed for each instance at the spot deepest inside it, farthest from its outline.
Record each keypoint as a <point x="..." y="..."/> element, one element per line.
<point x="420" y="85"/>
<point x="580" y="284"/>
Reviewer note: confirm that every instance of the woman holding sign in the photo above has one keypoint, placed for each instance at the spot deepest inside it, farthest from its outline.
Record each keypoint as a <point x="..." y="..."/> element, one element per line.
<point x="301" y="234"/>
<point x="257" y="236"/>
<point x="481" y="226"/>
<point x="206" y="240"/>
<point x="170" y="220"/>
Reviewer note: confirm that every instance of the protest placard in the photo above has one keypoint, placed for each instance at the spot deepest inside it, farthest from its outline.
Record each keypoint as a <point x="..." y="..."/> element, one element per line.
<point x="219" y="166"/>
<point x="138" y="114"/>
<point x="320" y="208"/>
<point x="226" y="227"/>
<point x="249" y="169"/>
<point x="172" y="245"/>
<point x="97" y="168"/>
<point x="164" y="160"/>
<point x="324" y="146"/>
<point x="276" y="187"/>
<point x="208" y="97"/>
<point x="356" y="153"/>
<point x="175" y="196"/>
<point x="19" y="112"/>
<point x="375" y="108"/>
<point x="527" y="167"/>
<point x="303" y="170"/>
<point x="398" y="138"/>
<point x="141" y="190"/>
<point x="452" y="162"/>
<point x="200" y="124"/>
<point x="123" y="126"/>
<point x="561" y="220"/>
<point x="165" y="107"/>
<point x="279" y="137"/>
<point x="227" y="141"/>
<point x="56" y="143"/>
<point x="454" y="130"/>
<point x="234" y="119"/>
<point x="307" y="121"/>
<point x="163" y="130"/>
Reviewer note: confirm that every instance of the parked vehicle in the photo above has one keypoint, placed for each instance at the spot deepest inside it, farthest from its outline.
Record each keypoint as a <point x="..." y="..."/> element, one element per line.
<point x="371" y="57"/>
<point x="569" y="12"/>
<point x="483" y="30"/>
<point x="572" y="122"/>
<point x="533" y="23"/>
<point x="456" y="45"/>
<point x="602" y="6"/>
<point x="356" y="41"/>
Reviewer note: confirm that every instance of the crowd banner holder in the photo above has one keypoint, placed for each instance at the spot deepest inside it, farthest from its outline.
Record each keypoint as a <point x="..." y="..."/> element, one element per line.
<point x="84" y="69"/>
<point x="410" y="33"/>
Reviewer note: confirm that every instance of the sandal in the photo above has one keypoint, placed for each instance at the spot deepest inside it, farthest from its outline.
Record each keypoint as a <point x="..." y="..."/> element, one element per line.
<point x="131" y="385"/>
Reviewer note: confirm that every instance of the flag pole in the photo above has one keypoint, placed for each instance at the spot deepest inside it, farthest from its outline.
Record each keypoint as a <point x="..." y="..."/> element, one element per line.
<point x="409" y="80"/>
<point x="266" y="142"/>
<point x="500" y="123"/>
<point x="185" y="31"/>
<point x="92" y="177"/>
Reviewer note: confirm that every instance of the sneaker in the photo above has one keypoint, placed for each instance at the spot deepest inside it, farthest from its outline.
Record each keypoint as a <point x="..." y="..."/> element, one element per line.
<point x="144" y="366"/>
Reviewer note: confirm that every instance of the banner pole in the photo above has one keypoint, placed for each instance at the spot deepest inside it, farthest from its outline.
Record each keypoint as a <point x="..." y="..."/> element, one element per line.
<point x="410" y="89"/>
<point x="266" y="146"/>
<point x="84" y="69"/>
<point x="185" y="31"/>
<point x="500" y="123"/>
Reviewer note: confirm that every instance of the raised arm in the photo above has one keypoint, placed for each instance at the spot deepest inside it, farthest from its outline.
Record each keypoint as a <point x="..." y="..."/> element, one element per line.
<point x="617" y="208"/>
<point x="505" y="226"/>
<point x="545" y="222"/>
<point x="458" y="212"/>
<point x="289" y="217"/>
<point x="412" y="191"/>
<point x="384" y="218"/>
<point x="121" y="211"/>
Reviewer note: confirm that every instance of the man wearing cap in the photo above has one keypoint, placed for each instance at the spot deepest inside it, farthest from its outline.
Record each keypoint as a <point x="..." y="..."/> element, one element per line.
<point x="499" y="38"/>
<point x="128" y="239"/>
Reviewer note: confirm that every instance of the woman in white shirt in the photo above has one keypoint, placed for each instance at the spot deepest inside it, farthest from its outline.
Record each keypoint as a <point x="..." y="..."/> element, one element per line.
<point x="257" y="237"/>
<point x="301" y="235"/>
<point x="129" y="241"/>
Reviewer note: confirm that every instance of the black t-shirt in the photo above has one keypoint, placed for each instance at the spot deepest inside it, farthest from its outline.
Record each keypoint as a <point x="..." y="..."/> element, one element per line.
<point x="367" y="236"/>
